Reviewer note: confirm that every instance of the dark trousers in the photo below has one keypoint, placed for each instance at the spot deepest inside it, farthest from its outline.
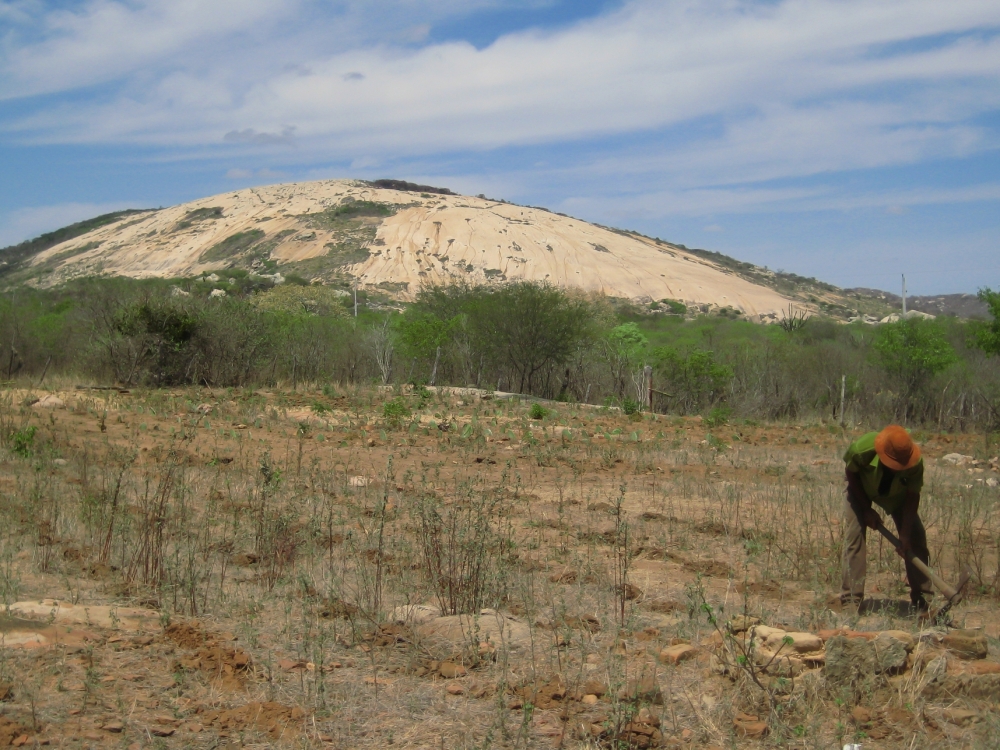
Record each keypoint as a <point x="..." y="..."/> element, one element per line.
<point x="855" y="561"/>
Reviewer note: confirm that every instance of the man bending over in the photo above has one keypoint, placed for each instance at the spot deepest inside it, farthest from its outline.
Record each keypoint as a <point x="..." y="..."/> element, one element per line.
<point x="886" y="469"/>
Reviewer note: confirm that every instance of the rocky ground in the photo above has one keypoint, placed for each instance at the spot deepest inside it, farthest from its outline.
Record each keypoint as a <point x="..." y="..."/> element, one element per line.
<point x="311" y="569"/>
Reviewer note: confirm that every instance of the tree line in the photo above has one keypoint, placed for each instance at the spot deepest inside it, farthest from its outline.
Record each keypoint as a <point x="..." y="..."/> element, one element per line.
<point x="524" y="337"/>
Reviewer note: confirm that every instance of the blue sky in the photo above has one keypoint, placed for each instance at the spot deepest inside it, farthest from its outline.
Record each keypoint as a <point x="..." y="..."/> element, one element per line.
<point x="851" y="140"/>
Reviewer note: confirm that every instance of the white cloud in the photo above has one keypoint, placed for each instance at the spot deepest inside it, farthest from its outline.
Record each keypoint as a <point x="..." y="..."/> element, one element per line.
<point x="731" y="92"/>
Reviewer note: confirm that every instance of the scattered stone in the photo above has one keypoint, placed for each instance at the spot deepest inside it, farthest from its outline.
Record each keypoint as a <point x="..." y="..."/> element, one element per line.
<point x="593" y="687"/>
<point x="951" y="686"/>
<point x="643" y="689"/>
<point x="49" y="402"/>
<point x="902" y="636"/>
<point x="801" y="643"/>
<point x="748" y="725"/>
<point x="589" y="699"/>
<point x="415" y="614"/>
<point x="742" y="623"/>
<point x="957" y="459"/>
<point x="359" y="481"/>
<point x="890" y="653"/>
<point x="825" y="635"/>
<point x="564" y="575"/>
<point x="676" y="654"/>
<point x="848" y="660"/>
<point x="450" y="670"/>
<point x="545" y="696"/>
<point x="462" y="632"/>
<point x="6" y="692"/>
<point x="455" y="688"/>
<point x="115" y="727"/>
<point x="861" y="716"/>
<point x="966" y="644"/>
<point x="632" y="592"/>
<point x="960" y="716"/>
<point x="981" y="667"/>
<point x="936" y="668"/>
<point x="277" y="720"/>
<point x="11" y="730"/>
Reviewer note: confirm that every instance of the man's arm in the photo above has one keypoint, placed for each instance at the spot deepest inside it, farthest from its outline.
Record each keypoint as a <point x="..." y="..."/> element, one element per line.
<point x="860" y="501"/>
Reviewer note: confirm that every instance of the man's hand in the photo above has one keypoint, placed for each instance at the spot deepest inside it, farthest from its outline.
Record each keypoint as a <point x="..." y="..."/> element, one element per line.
<point x="872" y="519"/>
<point x="904" y="549"/>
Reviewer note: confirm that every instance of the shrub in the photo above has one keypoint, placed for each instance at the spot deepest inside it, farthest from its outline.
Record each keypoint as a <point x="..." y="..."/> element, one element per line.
<point x="466" y="549"/>
<point x="630" y="406"/>
<point x="396" y="410"/>
<point x="913" y="351"/>
<point x="537" y="411"/>
<point x="22" y="441"/>
<point x="718" y="416"/>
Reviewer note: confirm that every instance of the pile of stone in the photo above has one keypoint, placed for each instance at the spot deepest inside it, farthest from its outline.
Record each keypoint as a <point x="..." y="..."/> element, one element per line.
<point x="934" y="660"/>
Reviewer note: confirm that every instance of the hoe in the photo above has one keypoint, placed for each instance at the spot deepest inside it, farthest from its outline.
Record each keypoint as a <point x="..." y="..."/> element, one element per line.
<point x="952" y="593"/>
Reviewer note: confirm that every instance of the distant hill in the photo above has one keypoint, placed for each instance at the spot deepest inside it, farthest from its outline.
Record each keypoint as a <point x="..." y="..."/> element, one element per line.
<point x="390" y="237"/>
<point x="959" y="305"/>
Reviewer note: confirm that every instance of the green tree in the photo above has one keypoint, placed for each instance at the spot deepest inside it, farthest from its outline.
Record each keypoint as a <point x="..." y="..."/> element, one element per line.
<point x="694" y="379"/>
<point x="422" y="335"/>
<point x="529" y="327"/>
<point x="986" y="335"/>
<point x="621" y="348"/>
<point x="913" y="351"/>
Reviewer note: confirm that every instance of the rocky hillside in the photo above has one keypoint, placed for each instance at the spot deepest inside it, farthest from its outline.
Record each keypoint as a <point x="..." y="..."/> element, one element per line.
<point x="392" y="237"/>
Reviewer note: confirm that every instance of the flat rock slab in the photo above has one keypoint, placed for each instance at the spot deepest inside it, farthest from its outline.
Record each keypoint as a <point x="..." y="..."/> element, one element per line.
<point x="19" y="633"/>
<point x="94" y="615"/>
<point x="488" y="626"/>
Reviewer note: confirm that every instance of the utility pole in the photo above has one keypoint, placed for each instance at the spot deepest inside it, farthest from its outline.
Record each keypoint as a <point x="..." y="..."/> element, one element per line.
<point x="843" y="388"/>
<point x="904" y="295"/>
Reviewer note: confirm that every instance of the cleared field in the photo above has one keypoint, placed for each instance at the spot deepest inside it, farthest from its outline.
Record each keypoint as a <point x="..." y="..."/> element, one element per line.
<point x="355" y="567"/>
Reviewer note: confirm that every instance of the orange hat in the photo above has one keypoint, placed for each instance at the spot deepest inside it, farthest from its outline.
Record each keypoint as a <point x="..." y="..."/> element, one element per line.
<point x="896" y="449"/>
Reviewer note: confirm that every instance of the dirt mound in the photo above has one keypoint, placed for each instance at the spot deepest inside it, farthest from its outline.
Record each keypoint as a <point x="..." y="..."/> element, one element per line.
<point x="277" y="720"/>
<point x="212" y="655"/>
<point x="188" y="635"/>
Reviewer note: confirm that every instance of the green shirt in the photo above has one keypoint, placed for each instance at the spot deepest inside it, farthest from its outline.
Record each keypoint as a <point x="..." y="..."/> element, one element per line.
<point x="862" y="460"/>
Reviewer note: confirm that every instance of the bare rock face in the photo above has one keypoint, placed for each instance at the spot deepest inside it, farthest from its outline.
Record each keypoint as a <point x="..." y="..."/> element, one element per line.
<point x="408" y="240"/>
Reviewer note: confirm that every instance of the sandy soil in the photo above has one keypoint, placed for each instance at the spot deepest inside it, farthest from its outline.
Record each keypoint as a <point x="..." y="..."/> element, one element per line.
<point x="272" y="505"/>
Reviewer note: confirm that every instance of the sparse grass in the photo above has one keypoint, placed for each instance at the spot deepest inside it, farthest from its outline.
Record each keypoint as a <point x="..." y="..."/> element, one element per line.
<point x="231" y="247"/>
<point x="600" y="548"/>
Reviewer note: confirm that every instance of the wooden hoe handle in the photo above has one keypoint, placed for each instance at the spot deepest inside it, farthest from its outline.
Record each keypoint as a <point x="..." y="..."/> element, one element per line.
<point x="949" y="591"/>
